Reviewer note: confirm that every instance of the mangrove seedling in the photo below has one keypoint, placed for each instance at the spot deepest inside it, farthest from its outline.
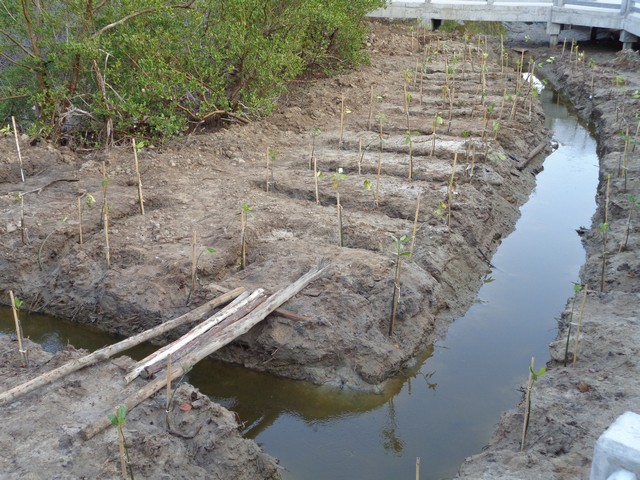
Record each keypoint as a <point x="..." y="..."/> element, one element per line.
<point x="533" y="377"/>
<point x="118" y="420"/>
<point x="399" y="244"/>
<point x="577" y="288"/>
<point x="314" y="133"/>
<point x="195" y="259"/>
<point x="336" y="178"/>
<point x="244" y="218"/>
<point x="89" y="202"/>
<point x="16" y="304"/>
<point x="634" y="201"/>
<point x="343" y="111"/>
<point x="271" y="157"/>
<point x="409" y="141"/>
<point x="576" y="347"/>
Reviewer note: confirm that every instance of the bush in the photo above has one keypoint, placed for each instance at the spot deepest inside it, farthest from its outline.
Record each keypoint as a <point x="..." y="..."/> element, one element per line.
<point x="92" y="72"/>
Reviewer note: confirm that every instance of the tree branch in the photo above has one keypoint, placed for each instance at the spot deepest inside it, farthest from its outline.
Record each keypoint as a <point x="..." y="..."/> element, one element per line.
<point x="17" y="43"/>
<point x="113" y="25"/>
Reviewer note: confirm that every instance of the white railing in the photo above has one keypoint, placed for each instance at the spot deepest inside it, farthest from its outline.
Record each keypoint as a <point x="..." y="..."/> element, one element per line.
<point x="614" y="14"/>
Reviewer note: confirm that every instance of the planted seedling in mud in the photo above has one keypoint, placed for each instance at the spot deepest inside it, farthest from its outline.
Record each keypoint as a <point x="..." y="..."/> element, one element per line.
<point x="604" y="230"/>
<point x="578" y="331"/>
<point x="195" y="259"/>
<point x="16" y="304"/>
<point x="137" y="167"/>
<point x="399" y="244"/>
<point x="15" y="133"/>
<point x="89" y="202"/>
<point x="317" y="174"/>
<point x="466" y="134"/>
<point x="118" y="420"/>
<point x="408" y="139"/>
<point x="577" y="288"/>
<point x="271" y="157"/>
<point x="487" y="116"/>
<point x="533" y="377"/>
<point x="314" y="133"/>
<point x="437" y="120"/>
<point x="441" y="208"/>
<point x="495" y="125"/>
<point x="62" y="222"/>
<point x="415" y="225"/>
<point x="623" y="164"/>
<point x="19" y="197"/>
<point x="634" y="201"/>
<point x="336" y="178"/>
<point x="245" y="210"/>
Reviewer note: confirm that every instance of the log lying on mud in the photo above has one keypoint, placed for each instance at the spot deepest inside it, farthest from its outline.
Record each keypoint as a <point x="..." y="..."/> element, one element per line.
<point x="534" y="153"/>
<point x="174" y="348"/>
<point x="232" y="332"/>
<point x="104" y="353"/>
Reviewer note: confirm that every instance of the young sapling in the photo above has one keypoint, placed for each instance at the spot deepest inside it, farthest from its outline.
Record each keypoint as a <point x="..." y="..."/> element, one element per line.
<point x="314" y="133"/>
<point x="577" y="288"/>
<point x="271" y="157"/>
<point x="533" y="376"/>
<point x="16" y="303"/>
<point x="195" y="259"/>
<point x="634" y="200"/>
<point x="437" y="120"/>
<point x="118" y="420"/>
<point x="399" y="252"/>
<point x="604" y="230"/>
<point x="409" y="141"/>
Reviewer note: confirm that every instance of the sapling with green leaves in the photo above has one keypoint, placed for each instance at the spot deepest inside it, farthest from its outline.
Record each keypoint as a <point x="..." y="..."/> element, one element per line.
<point x="399" y="252"/>
<point x="16" y="304"/>
<point x="195" y="259"/>
<point x="577" y="288"/>
<point x="533" y="377"/>
<point x="336" y="179"/>
<point x="118" y="420"/>
<point x="634" y="201"/>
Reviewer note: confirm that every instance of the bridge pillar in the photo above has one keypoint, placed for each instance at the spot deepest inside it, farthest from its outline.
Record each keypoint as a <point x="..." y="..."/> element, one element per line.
<point x="553" y="29"/>
<point x="627" y="39"/>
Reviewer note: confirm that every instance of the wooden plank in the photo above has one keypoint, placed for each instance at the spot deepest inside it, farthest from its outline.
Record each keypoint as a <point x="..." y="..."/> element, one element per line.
<point x="104" y="353"/>
<point x="253" y="318"/>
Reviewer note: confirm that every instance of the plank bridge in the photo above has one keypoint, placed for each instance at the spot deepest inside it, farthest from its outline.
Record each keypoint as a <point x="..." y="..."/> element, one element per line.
<point x="619" y="15"/>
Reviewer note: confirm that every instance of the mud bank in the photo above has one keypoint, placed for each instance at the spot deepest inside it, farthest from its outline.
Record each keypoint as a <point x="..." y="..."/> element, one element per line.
<point x="199" y="183"/>
<point x="573" y="405"/>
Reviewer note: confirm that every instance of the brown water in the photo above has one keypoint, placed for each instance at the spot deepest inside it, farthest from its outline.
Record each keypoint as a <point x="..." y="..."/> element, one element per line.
<point x="445" y="408"/>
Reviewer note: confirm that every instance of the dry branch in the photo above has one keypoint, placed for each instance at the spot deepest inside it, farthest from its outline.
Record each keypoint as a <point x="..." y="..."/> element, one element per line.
<point x="111" y="350"/>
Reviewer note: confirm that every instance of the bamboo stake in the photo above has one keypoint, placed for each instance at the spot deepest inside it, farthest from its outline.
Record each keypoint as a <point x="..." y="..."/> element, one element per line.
<point x="21" y="349"/>
<point x="194" y="266"/>
<point x="243" y="240"/>
<point x="527" y="405"/>
<point x="15" y="133"/>
<point x="104" y="353"/>
<point x="267" y="307"/>
<point x="360" y="155"/>
<point x="107" y="250"/>
<point x="315" y="179"/>
<point x="417" y="468"/>
<point x="370" y="108"/>
<point x="168" y="394"/>
<point x="450" y="189"/>
<point x="396" y="297"/>
<point x="340" y="238"/>
<point x="341" y="120"/>
<point x="267" y="171"/>
<point x="135" y="157"/>
<point x="415" y="225"/>
<point x="579" y="330"/>
<point x="203" y="327"/>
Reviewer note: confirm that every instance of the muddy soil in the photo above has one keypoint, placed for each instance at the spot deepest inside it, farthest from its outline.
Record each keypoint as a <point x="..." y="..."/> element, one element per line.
<point x="199" y="182"/>
<point x="573" y="404"/>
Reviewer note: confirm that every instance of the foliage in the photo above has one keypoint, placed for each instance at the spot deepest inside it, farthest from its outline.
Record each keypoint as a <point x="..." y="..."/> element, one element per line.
<point x="152" y="67"/>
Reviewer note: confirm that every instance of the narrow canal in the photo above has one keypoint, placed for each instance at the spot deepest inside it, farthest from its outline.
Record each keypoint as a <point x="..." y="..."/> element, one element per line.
<point x="446" y="407"/>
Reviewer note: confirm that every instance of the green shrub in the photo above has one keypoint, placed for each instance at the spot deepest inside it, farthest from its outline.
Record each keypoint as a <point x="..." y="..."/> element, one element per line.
<point x="102" y="70"/>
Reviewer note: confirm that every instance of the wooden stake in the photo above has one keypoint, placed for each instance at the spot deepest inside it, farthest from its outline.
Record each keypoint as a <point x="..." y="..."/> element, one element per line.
<point x="340" y="240"/>
<point x="271" y="304"/>
<point x="107" y="250"/>
<point x="527" y="405"/>
<point x="194" y="261"/>
<point x="111" y="350"/>
<point x="450" y="189"/>
<point x="315" y="180"/>
<point x="135" y="157"/>
<point x="341" y="120"/>
<point x="15" y="133"/>
<point x="168" y="394"/>
<point x="21" y="349"/>
<point x="370" y="108"/>
<point x="417" y="468"/>
<point x="80" y="217"/>
<point x="267" y="171"/>
<point x="360" y="155"/>
<point x="243" y="241"/>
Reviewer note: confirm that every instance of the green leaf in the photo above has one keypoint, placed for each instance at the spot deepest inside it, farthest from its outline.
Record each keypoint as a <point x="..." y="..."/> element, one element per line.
<point x="367" y="184"/>
<point x="212" y="249"/>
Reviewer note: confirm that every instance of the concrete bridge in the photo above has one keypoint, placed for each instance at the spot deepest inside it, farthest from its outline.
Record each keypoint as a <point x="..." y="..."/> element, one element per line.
<point x="622" y="15"/>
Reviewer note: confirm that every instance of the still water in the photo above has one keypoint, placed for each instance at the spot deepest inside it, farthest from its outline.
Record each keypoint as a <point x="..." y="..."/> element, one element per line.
<point x="447" y="406"/>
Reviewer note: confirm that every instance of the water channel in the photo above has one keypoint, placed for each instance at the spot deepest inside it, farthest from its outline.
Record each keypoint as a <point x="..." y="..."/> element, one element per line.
<point x="446" y="407"/>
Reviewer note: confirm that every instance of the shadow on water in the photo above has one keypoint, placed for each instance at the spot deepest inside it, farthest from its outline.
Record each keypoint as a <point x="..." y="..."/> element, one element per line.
<point x="447" y="406"/>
